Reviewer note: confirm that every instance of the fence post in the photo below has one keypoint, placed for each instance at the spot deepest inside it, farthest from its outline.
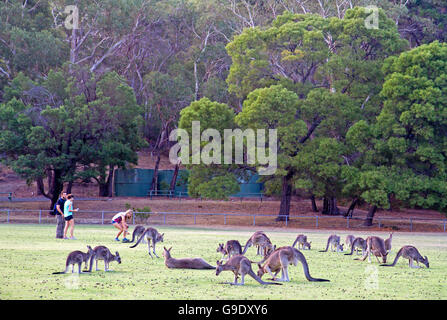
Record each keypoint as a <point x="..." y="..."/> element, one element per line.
<point x="7" y="220"/>
<point x="195" y="218"/>
<point x="164" y="218"/>
<point x="254" y="220"/>
<point x="287" y="219"/>
<point x="40" y="215"/>
<point x="347" y="222"/>
<point x="411" y="224"/>
<point x="380" y="224"/>
<point x="102" y="217"/>
<point x="225" y="219"/>
<point x="316" y="221"/>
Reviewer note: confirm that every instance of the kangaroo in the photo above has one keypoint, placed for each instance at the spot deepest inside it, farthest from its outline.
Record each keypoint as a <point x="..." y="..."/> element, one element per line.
<point x="388" y="243"/>
<point x="152" y="235"/>
<point x="357" y="244"/>
<point x="334" y="241"/>
<point x="376" y="246"/>
<point x="349" y="240"/>
<point x="137" y="232"/>
<point x="301" y="239"/>
<point x="103" y="253"/>
<point x="77" y="257"/>
<point x="259" y="238"/>
<point x="240" y="265"/>
<point x="412" y="254"/>
<point x="280" y="261"/>
<point x="232" y="247"/>
<point x="185" y="263"/>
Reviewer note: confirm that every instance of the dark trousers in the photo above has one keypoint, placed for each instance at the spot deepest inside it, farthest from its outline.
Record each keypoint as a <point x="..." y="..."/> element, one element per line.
<point x="60" y="226"/>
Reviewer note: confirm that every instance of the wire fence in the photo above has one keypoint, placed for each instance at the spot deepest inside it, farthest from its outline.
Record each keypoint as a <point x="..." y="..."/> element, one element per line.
<point x="195" y="218"/>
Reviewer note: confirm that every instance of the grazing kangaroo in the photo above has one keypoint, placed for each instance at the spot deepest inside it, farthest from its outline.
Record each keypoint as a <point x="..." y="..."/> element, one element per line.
<point x="103" y="253"/>
<point x="77" y="257"/>
<point x="388" y="243"/>
<point x="349" y="240"/>
<point x="137" y="232"/>
<point x="301" y="239"/>
<point x="334" y="242"/>
<point x="376" y="246"/>
<point x="260" y="239"/>
<point x="231" y="248"/>
<point x="152" y="235"/>
<point x="280" y="261"/>
<point x="357" y="244"/>
<point x="239" y="265"/>
<point x="185" y="263"/>
<point x="410" y="253"/>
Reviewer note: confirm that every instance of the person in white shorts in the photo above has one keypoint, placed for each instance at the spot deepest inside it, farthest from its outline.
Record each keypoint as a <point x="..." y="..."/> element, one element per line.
<point x="119" y="221"/>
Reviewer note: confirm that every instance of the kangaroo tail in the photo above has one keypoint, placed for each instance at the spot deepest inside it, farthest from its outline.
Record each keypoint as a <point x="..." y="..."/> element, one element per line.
<point x="294" y="243"/>
<point x="255" y="276"/>
<point x="303" y="261"/>
<point x="327" y="246"/>
<point x="352" y="247"/>
<point x="247" y="245"/>
<point x="133" y="236"/>
<point x="399" y="253"/>
<point x="139" y="240"/>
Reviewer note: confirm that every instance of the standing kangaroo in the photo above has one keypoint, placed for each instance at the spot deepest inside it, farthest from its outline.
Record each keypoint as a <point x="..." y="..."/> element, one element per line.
<point x="77" y="257"/>
<point x="231" y="248"/>
<point x="301" y="239"/>
<point x="334" y="242"/>
<point x="152" y="235"/>
<point x="376" y="246"/>
<point x="357" y="244"/>
<point x="239" y="265"/>
<point x="137" y="232"/>
<point x="103" y="253"/>
<point x="260" y="239"/>
<point x="388" y="243"/>
<point x="280" y="261"/>
<point x="412" y="254"/>
<point x="185" y="263"/>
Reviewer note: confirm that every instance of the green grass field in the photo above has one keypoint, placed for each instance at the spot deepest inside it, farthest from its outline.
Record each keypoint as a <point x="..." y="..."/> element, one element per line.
<point x="30" y="253"/>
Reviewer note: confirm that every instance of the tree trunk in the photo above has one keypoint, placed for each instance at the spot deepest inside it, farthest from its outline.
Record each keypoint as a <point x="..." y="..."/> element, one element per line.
<point x="40" y="187"/>
<point x="155" y="178"/>
<point x="370" y="216"/>
<point x="286" y="193"/>
<point x="351" y="208"/>
<point x="106" y="188"/>
<point x="69" y="187"/>
<point x="174" y="177"/>
<point x="330" y="206"/>
<point x="314" y="203"/>
<point x="56" y="188"/>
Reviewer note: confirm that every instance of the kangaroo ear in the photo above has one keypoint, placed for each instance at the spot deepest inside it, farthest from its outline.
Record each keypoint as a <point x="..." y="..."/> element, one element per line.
<point x="170" y="249"/>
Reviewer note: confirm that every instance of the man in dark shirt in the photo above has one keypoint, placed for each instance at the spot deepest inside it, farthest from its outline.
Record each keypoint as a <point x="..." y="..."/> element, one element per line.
<point x="60" y="215"/>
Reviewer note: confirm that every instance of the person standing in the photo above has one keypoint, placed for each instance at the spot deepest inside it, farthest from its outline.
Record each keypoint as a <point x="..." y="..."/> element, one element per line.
<point x="68" y="216"/>
<point x="60" y="215"/>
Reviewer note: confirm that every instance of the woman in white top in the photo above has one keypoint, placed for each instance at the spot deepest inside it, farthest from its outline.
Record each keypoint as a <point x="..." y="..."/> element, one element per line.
<point x="119" y="221"/>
